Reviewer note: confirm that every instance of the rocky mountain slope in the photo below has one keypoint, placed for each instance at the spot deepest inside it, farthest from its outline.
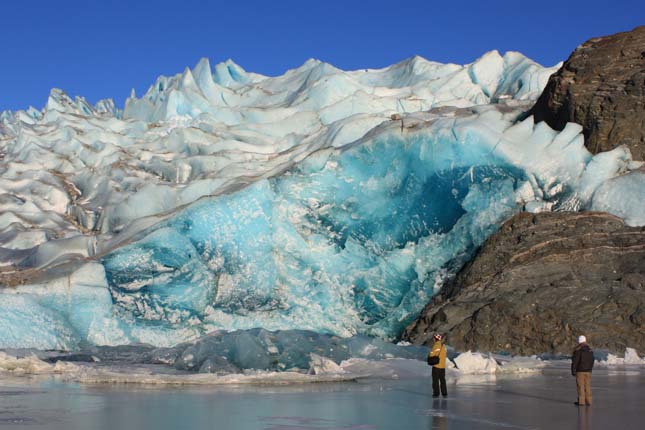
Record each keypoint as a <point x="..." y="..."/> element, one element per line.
<point x="545" y="278"/>
<point x="541" y="280"/>
<point x="602" y="87"/>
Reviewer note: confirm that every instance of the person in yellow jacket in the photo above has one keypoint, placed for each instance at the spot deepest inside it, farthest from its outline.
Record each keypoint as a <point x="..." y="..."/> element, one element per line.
<point x="439" y="369"/>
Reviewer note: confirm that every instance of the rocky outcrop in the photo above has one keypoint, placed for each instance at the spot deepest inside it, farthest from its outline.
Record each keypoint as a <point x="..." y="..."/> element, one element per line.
<point x="602" y="87"/>
<point x="542" y="280"/>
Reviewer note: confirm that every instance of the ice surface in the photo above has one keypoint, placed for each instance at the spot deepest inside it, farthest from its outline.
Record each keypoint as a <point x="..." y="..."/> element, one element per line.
<point x="97" y="374"/>
<point x="137" y="368"/>
<point x="322" y="200"/>
<point x="223" y="352"/>
<point x="252" y="356"/>
<point x="24" y="323"/>
<point x="163" y="366"/>
<point x="63" y="313"/>
<point x="533" y="401"/>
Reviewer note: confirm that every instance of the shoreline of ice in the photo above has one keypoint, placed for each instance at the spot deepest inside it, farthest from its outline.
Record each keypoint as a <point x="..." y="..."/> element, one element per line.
<point x="473" y="367"/>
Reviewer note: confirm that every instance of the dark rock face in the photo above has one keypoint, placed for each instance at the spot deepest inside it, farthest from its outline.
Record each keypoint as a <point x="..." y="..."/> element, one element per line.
<point x="602" y="87"/>
<point x="542" y="280"/>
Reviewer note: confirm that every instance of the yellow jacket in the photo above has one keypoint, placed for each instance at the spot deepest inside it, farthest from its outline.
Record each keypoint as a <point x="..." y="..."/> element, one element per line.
<point x="439" y="350"/>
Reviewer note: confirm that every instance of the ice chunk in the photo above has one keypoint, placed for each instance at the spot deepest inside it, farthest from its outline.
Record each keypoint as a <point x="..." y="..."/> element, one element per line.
<point x="29" y="365"/>
<point x="519" y="364"/>
<point x="623" y="196"/>
<point x="630" y="357"/>
<point x="322" y="365"/>
<point x="475" y="363"/>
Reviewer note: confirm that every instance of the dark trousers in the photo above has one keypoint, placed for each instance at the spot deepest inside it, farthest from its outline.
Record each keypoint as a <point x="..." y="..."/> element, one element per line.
<point x="439" y="376"/>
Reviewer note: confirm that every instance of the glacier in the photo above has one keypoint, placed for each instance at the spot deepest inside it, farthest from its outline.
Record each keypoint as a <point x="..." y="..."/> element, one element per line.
<point x="321" y="200"/>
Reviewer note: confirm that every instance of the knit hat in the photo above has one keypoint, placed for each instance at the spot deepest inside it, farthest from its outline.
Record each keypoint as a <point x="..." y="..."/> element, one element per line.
<point x="438" y="337"/>
<point x="582" y="339"/>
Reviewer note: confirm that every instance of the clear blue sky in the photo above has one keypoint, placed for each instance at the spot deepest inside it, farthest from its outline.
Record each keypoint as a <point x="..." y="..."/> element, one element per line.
<point x="102" y="48"/>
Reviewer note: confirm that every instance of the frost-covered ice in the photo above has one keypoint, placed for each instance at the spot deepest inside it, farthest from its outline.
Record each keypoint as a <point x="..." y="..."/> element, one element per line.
<point x="24" y="365"/>
<point x="630" y="358"/>
<point x="321" y="200"/>
<point x="261" y="357"/>
<point x="225" y="353"/>
<point x="321" y="369"/>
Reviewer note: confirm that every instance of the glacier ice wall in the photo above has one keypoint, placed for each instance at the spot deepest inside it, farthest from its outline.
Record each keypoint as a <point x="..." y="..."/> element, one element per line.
<point x="320" y="200"/>
<point x="75" y="168"/>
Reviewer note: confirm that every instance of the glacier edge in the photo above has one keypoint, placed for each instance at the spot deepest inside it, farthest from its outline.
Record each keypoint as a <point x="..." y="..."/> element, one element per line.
<point x="320" y="200"/>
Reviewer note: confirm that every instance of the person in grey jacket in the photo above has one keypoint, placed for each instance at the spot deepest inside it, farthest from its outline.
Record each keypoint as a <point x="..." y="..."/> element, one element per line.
<point x="581" y="367"/>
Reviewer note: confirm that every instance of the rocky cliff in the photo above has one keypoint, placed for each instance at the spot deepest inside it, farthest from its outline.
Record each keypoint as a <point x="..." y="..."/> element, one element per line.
<point x="542" y="280"/>
<point x="602" y="87"/>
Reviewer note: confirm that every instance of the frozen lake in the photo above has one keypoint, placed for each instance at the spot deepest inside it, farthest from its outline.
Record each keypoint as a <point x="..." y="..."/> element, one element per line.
<point x="537" y="401"/>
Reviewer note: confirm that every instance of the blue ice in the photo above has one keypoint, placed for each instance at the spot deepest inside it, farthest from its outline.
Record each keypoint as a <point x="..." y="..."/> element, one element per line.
<point x="341" y="244"/>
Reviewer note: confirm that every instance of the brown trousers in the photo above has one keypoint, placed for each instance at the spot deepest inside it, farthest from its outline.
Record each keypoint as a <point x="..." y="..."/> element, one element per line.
<point x="583" y="382"/>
